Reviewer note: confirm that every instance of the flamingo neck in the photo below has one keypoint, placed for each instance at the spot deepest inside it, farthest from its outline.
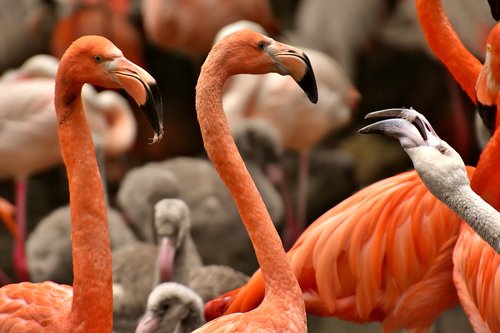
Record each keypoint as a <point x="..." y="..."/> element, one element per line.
<point x="281" y="284"/>
<point x="91" y="310"/>
<point x="486" y="179"/>
<point x="446" y="45"/>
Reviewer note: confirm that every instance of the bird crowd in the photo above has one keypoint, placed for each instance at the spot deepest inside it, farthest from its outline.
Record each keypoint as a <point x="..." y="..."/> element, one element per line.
<point x="174" y="166"/>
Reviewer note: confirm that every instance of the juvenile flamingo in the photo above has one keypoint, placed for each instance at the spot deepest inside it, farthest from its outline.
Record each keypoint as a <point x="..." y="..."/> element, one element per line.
<point x="87" y="307"/>
<point x="248" y="52"/>
<point x="476" y="266"/>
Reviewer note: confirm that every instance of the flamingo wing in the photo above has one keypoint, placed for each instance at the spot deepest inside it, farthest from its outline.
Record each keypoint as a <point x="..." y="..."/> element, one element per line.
<point x="477" y="277"/>
<point x="31" y="307"/>
<point x="376" y="256"/>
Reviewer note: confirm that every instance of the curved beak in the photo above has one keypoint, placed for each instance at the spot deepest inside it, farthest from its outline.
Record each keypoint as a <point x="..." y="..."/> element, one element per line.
<point x="411" y="128"/>
<point x="149" y="323"/>
<point x="166" y="257"/>
<point x="486" y="94"/>
<point x="143" y="88"/>
<point x="292" y="61"/>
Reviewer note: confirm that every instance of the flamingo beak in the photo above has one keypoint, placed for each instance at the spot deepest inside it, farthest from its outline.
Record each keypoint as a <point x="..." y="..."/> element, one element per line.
<point x="410" y="127"/>
<point x="486" y="94"/>
<point x="166" y="257"/>
<point x="149" y="323"/>
<point x="143" y="88"/>
<point x="292" y="61"/>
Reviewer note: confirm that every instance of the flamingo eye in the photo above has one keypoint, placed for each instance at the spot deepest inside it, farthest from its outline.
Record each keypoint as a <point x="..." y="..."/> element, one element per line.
<point x="261" y="45"/>
<point x="98" y="59"/>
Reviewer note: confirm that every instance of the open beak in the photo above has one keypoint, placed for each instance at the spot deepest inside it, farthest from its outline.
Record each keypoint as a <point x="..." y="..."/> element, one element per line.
<point x="166" y="257"/>
<point x="143" y="88"/>
<point x="486" y="94"/>
<point x="149" y="323"/>
<point x="292" y="61"/>
<point x="411" y="128"/>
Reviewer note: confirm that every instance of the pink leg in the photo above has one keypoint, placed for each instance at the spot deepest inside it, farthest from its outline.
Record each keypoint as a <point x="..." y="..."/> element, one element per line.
<point x="19" y="255"/>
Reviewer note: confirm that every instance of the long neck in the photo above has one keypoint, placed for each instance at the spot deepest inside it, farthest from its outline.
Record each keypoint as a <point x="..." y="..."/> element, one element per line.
<point x="279" y="279"/>
<point x="446" y="45"/>
<point x="479" y="215"/>
<point x="91" y="310"/>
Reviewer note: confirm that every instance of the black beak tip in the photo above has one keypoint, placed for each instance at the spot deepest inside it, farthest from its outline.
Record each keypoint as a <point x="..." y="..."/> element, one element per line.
<point x="308" y="82"/>
<point x="153" y="108"/>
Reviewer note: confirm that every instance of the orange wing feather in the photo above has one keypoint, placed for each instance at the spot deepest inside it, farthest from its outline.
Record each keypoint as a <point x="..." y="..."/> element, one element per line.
<point x="32" y="307"/>
<point x="376" y="256"/>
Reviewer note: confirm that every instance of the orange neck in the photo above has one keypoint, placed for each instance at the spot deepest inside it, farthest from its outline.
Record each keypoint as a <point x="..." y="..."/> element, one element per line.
<point x="281" y="284"/>
<point x="486" y="179"/>
<point x="446" y="45"/>
<point x="92" y="307"/>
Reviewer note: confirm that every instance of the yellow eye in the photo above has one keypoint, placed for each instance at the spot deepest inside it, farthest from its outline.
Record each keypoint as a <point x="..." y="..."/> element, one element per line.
<point x="98" y="59"/>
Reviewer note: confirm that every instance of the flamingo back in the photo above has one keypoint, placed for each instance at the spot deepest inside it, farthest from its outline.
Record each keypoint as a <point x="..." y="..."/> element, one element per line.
<point x="32" y="307"/>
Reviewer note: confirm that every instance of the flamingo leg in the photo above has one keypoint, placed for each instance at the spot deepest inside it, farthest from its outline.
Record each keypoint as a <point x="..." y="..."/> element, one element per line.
<point x="7" y="211"/>
<point x="19" y="255"/>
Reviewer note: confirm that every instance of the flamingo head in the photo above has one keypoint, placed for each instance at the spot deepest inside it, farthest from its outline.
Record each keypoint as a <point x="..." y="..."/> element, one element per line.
<point x="172" y="224"/>
<point x="439" y="166"/>
<point x="488" y="83"/>
<point x="249" y="52"/>
<point x="95" y="60"/>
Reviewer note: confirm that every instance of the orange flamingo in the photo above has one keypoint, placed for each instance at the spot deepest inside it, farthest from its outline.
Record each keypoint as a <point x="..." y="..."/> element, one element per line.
<point x="248" y="52"/>
<point x="382" y="255"/>
<point x="476" y="266"/>
<point x="87" y="307"/>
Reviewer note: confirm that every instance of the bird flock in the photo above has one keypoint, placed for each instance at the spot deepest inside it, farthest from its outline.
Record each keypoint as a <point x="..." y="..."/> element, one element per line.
<point x="202" y="166"/>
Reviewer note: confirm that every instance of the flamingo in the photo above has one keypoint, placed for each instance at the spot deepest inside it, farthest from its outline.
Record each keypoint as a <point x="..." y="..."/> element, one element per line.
<point x="246" y="51"/>
<point x="29" y="121"/>
<point x="301" y="125"/>
<point x="471" y="253"/>
<point x="87" y="307"/>
<point x="134" y="272"/>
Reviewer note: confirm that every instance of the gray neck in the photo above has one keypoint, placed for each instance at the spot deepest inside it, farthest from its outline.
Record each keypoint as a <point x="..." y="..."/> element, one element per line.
<point x="481" y="216"/>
